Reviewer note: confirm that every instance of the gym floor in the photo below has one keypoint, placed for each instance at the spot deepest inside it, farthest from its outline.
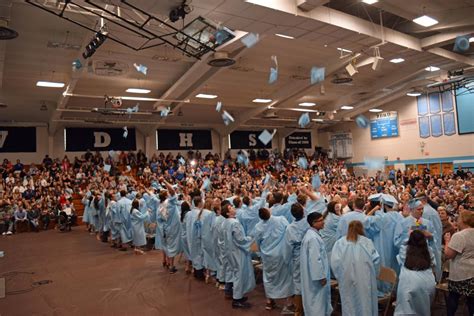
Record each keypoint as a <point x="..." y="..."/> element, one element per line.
<point x="87" y="277"/>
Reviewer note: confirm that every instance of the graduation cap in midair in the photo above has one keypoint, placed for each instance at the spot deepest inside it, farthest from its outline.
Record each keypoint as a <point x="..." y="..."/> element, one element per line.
<point x="164" y="112"/>
<point x="227" y="118"/>
<point x="461" y="44"/>
<point x="182" y="161"/>
<point x="206" y="184"/>
<point x="76" y="64"/>
<point x="250" y="39"/>
<point x="107" y="167"/>
<point x="317" y="74"/>
<point x="219" y="106"/>
<point x="273" y="77"/>
<point x="303" y="163"/>
<point x="374" y="163"/>
<point x="141" y="68"/>
<point x="265" y="137"/>
<point x="268" y="176"/>
<point x="316" y="182"/>
<point x="362" y="121"/>
<point x="134" y="109"/>
<point x="304" y="120"/>
<point x="413" y="204"/>
<point x="125" y="132"/>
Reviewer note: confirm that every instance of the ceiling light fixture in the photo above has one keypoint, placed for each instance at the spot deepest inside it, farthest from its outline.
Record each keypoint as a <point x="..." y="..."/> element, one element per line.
<point x="425" y="21"/>
<point x="344" y="50"/>
<point x="284" y="36"/>
<point x="370" y="1"/>
<point x="375" y="110"/>
<point x="136" y="90"/>
<point x="317" y="120"/>
<point x="397" y="60"/>
<point x="413" y="94"/>
<point x="299" y="110"/>
<point x="50" y="84"/>
<point x="262" y="100"/>
<point x="307" y="104"/>
<point x="206" y="96"/>
<point x="432" y="68"/>
<point x="347" y="107"/>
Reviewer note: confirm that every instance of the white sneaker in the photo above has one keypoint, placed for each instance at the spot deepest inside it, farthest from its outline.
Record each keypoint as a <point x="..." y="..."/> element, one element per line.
<point x="9" y="233"/>
<point x="4" y="233"/>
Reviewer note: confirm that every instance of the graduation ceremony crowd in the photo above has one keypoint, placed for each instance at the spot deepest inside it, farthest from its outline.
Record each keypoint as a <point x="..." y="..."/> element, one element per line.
<point x="315" y="229"/>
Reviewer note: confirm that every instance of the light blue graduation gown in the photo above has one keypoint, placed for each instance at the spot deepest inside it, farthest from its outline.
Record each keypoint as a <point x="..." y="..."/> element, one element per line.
<point x="356" y="267"/>
<point x="194" y="236"/>
<point x="101" y="215"/>
<point x="276" y="257"/>
<point x="114" y="220"/>
<point x="86" y="215"/>
<point x="315" y="267"/>
<point x="169" y="231"/>
<point x="208" y="242"/>
<point x="248" y="215"/>
<point x="329" y="232"/>
<point x="316" y="206"/>
<point x="432" y="215"/>
<point x="345" y="220"/>
<point x="294" y="236"/>
<point x="237" y="255"/>
<point x="153" y="203"/>
<point x="137" y="220"/>
<point x="184" y="238"/>
<point x="401" y="231"/>
<point x="123" y="219"/>
<point x="284" y="209"/>
<point x="108" y="216"/>
<point x="416" y="289"/>
<point x="218" y="236"/>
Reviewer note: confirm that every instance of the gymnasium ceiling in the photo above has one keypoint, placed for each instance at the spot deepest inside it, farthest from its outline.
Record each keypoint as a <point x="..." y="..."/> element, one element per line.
<point x="348" y="24"/>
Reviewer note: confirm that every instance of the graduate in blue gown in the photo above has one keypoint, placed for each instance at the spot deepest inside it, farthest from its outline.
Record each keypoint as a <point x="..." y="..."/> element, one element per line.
<point x="87" y="202"/>
<point x="239" y="269"/>
<point x="137" y="219"/>
<point x="276" y="256"/>
<point x="153" y="204"/>
<point x="315" y="271"/>
<point x="122" y="220"/>
<point x="208" y="245"/>
<point x="416" y="284"/>
<point x="412" y="222"/>
<point x="356" y="215"/>
<point x="355" y="264"/>
<point x="194" y="223"/>
<point x="248" y="212"/>
<point x="284" y="210"/>
<point x="217" y="237"/>
<point x="185" y="209"/>
<point x="294" y="236"/>
<point x="329" y="232"/>
<point x="168" y="220"/>
<point x="432" y="215"/>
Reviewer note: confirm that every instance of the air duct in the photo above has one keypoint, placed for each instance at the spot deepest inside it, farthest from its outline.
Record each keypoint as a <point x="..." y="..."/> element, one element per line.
<point x="308" y="5"/>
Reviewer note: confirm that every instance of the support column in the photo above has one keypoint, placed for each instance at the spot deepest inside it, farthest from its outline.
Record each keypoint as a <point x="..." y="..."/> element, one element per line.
<point x="51" y="146"/>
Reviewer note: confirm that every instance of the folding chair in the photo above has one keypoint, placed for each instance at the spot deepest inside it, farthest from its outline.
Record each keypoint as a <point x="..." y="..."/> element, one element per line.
<point x="390" y="276"/>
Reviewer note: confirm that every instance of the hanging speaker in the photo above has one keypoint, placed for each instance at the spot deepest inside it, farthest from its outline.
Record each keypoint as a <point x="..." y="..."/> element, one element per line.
<point x="461" y="44"/>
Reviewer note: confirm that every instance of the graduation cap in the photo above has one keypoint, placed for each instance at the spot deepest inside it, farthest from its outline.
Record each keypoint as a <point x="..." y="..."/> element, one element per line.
<point x="155" y="185"/>
<point x="141" y="68"/>
<point x="250" y="39"/>
<point x="304" y="120"/>
<point x="164" y="112"/>
<point x="182" y="161"/>
<point x="316" y="182"/>
<point x="220" y="36"/>
<point x="362" y="121"/>
<point x="317" y="74"/>
<point x="413" y="204"/>
<point x="388" y="200"/>
<point x="76" y="64"/>
<point x="125" y="132"/>
<point x="219" y="106"/>
<point x="461" y="44"/>
<point x="227" y="118"/>
<point x="265" y="137"/>
<point x="273" y="71"/>
<point x="302" y="163"/>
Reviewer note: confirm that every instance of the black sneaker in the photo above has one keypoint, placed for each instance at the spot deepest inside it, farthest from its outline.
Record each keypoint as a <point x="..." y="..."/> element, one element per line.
<point x="240" y="304"/>
<point x="173" y="270"/>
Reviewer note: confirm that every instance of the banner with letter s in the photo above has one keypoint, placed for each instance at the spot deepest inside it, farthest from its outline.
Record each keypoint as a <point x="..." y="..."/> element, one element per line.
<point x="247" y="140"/>
<point x="99" y="139"/>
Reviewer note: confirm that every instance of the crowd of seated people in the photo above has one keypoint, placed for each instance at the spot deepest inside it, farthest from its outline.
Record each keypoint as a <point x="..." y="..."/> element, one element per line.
<point x="124" y="192"/>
